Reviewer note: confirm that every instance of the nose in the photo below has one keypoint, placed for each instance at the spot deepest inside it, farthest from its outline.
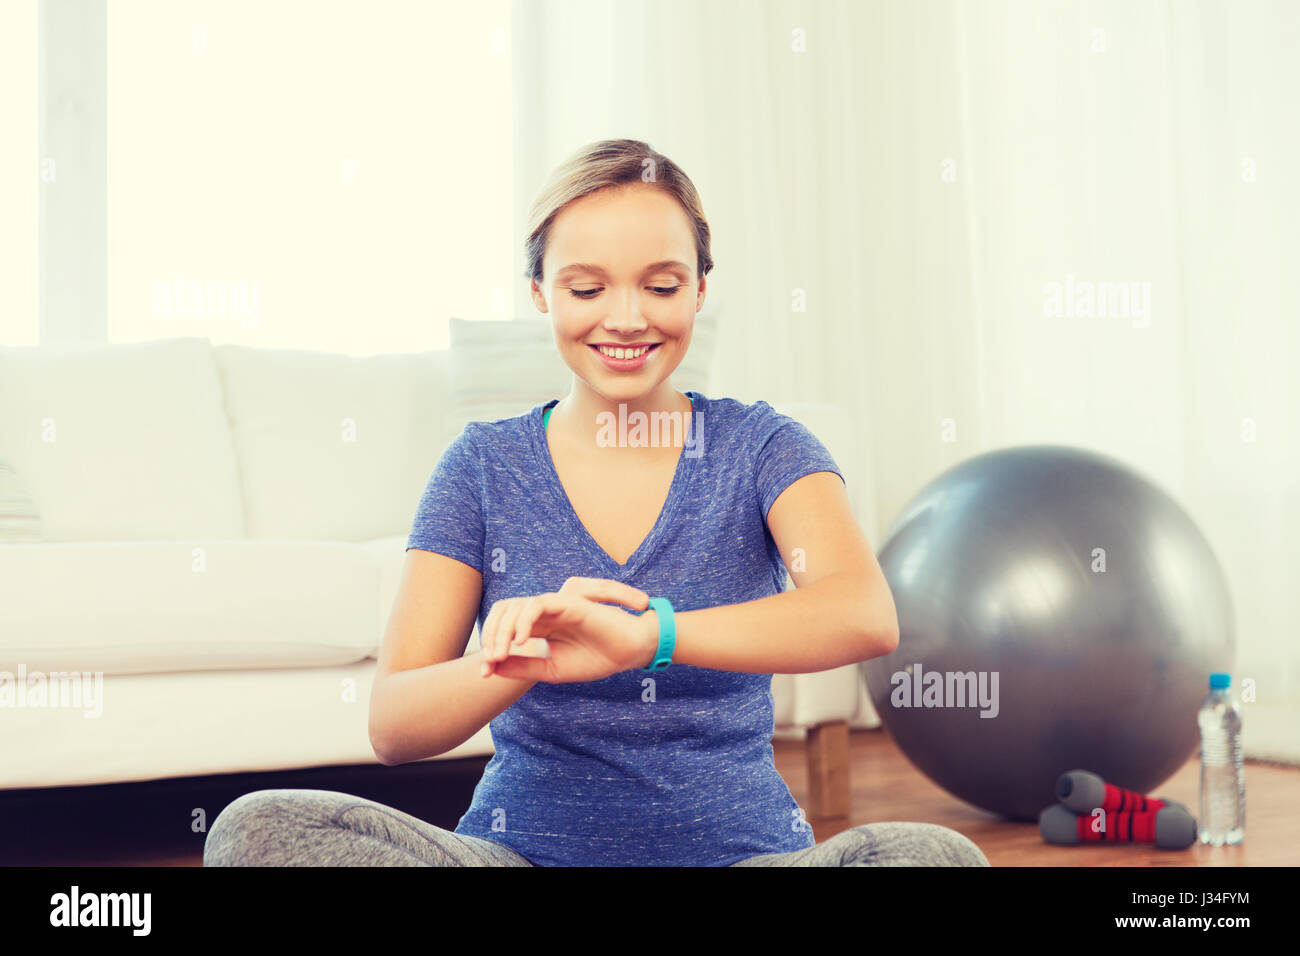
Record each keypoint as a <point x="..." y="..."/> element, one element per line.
<point x="625" y="318"/>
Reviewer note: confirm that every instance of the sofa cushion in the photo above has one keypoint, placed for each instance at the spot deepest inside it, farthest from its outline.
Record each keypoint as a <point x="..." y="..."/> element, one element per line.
<point x="331" y="446"/>
<point x="19" y="519"/>
<point x="155" y="606"/>
<point x="121" y="442"/>
<point x="155" y="727"/>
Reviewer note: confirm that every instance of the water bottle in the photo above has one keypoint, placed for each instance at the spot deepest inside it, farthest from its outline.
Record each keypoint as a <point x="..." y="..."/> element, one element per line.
<point x="1223" y="784"/>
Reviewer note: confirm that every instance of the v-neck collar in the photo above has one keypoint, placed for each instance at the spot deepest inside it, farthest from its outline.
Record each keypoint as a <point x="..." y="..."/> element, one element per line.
<point x="686" y="467"/>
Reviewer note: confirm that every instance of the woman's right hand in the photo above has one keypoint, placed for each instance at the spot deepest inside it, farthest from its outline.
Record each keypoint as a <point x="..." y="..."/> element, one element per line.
<point x="587" y="638"/>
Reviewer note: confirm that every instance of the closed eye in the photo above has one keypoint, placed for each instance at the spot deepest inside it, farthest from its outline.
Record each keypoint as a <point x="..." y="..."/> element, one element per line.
<point x="664" y="291"/>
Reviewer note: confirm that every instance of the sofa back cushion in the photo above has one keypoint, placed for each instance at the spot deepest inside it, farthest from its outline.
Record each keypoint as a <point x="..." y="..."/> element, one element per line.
<point x="20" y="522"/>
<point x="121" y="442"/>
<point x="330" y="446"/>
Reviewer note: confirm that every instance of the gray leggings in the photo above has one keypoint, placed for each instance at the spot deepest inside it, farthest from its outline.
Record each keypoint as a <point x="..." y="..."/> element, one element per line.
<point x="295" y="827"/>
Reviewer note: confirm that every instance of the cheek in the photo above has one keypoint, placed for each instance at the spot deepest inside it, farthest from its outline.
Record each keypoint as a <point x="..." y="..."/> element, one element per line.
<point x="680" y="329"/>
<point x="573" y="320"/>
<point x="674" y="319"/>
<point x="568" y="324"/>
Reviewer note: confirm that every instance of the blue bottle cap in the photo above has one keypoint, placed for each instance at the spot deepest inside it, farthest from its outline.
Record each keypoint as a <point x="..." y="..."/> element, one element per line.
<point x="1220" y="681"/>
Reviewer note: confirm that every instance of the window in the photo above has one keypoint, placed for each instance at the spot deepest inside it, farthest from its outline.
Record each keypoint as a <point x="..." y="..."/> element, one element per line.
<point x="20" y="174"/>
<point x="301" y="174"/>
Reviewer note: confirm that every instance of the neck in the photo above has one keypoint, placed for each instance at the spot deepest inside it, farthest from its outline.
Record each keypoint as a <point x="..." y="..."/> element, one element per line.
<point x="580" y="414"/>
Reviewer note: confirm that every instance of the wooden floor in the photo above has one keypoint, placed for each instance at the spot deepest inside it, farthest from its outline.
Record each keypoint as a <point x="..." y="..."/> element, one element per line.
<point x="887" y="787"/>
<point x="115" y="826"/>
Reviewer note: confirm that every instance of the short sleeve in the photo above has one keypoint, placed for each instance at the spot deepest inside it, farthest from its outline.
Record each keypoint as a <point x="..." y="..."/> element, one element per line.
<point x="449" y="517"/>
<point x="787" y="451"/>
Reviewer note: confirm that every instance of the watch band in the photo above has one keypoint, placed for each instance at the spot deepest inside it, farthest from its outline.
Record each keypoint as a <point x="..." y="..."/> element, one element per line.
<point x="663" y="609"/>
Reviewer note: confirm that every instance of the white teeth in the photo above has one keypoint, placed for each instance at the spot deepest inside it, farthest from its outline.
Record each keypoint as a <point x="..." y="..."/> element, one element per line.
<point x="623" y="353"/>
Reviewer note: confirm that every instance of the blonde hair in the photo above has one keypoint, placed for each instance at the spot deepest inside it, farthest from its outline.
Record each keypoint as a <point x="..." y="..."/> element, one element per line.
<point x="601" y="165"/>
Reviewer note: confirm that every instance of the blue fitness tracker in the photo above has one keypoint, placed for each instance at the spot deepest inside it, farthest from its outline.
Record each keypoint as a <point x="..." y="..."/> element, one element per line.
<point x="663" y="609"/>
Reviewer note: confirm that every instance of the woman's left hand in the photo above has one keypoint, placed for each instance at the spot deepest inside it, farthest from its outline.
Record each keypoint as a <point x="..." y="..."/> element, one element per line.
<point x="588" y="640"/>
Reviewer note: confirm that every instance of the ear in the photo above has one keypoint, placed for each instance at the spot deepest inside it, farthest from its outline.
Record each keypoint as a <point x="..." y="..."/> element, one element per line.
<point x="535" y="292"/>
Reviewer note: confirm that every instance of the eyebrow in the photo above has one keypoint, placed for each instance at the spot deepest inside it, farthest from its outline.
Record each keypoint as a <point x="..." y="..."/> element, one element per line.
<point x="597" y="270"/>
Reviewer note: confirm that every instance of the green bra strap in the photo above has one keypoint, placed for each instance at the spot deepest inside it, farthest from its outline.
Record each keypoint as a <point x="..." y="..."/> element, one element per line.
<point x="546" y="416"/>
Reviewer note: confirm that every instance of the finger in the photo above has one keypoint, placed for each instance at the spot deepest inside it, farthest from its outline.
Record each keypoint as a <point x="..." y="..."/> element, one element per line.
<point x="617" y="592"/>
<point x="490" y="649"/>
<point x="488" y="630"/>
<point x="525" y="668"/>
<point x="534" y="647"/>
<point x="523" y="628"/>
<point x="541" y="615"/>
<point x="606" y="590"/>
<point x="506" y="630"/>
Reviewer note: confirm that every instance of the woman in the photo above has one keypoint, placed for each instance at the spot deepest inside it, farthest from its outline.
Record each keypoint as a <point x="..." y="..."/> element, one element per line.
<point x="626" y="733"/>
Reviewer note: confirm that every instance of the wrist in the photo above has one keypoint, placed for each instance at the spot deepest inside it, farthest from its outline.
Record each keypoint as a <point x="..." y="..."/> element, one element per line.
<point x="649" y="638"/>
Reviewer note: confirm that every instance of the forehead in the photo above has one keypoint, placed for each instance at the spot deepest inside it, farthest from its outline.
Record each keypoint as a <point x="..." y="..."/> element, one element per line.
<point x="632" y="229"/>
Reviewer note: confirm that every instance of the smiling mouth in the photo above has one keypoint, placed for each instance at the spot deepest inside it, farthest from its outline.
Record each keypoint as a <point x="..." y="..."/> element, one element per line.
<point x="624" y="352"/>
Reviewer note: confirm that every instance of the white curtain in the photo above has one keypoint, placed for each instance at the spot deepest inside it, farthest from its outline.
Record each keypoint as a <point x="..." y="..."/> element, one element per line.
<point x="906" y="196"/>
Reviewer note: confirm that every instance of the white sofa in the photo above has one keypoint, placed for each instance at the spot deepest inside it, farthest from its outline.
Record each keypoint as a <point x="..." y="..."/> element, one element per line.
<point x="219" y="532"/>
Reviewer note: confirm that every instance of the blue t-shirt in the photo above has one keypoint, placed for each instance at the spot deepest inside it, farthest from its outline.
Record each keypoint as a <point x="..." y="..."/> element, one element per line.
<point x="671" y="768"/>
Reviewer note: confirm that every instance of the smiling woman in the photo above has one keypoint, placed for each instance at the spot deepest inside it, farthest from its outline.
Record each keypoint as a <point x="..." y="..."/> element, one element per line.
<point x="652" y="574"/>
<point x="618" y="255"/>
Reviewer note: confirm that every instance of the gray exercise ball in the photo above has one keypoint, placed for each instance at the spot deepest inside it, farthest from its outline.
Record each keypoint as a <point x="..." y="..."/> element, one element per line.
<point x="1072" y="612"/>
